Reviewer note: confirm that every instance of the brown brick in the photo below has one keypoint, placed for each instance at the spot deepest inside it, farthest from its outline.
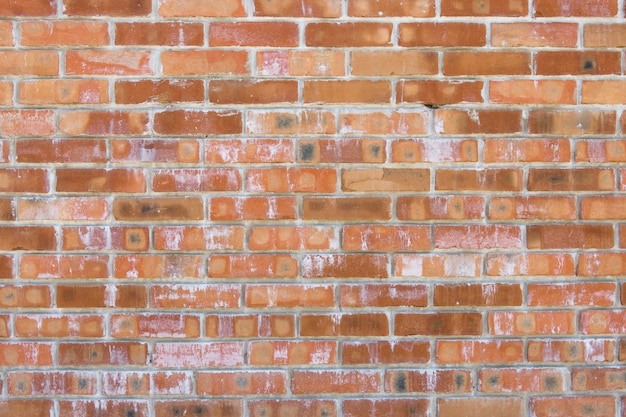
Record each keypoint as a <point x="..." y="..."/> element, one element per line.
<point x="108" y="8"/>
<point x="505" y="179"/>
<point x="385" y="180"/>
<point x="438" y="324"/>
<point x="577" y="179"/>
<point x="346" y="208"/>
<point x="160" y="33"/>
<point x="585" y="236"/>
<point x="252" y="92"/>
<point x="165" y="91"/>
<point x="197" y="122"/>
<point x="164" y="208"/>
<point x="364" y="324"/>
<point x="578" y="63"/>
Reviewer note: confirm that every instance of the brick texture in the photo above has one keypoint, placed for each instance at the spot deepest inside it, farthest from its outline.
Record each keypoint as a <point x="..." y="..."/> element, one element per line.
<point x="324" y="208"/>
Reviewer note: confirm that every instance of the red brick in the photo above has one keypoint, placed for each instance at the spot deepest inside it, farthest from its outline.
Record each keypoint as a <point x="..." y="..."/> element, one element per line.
<point x="438" y="265"/>
<point x="605" y="35"/>
<point x="543" y="380"/>
<point x="250" y="325"/>
<point x="102" y="353"/>
<point x="571" y="350"/>
<point x="266" y="34"/>
<point x="241" y="383"/>
<point x="30" y="238"/>
<point x="64" y="266"/>
<point x="384" y="123"/>
<point x="478" y="237"/>
<point x="434" y="150"/>
<point x="300" y="122"/>
<point x="25" y="296"/>
<point x="430" y="380"/>
<point x="570" y="406"/>
<point x="159" y="33"/>
<point x="24" y="180"/>
<point x="64" y="33"/>
<point x="345" y="266"/>
<point x="440" y="208"/>
<point x="438" y="324"/>
<point x="103" y="122"/>
<point x="100" y="180"/>
<point x="252" y="92"/>
<point x="344" y="325"/>
<point x="6" y="97"/>
<point x="6" y="33"/>
<point x="473" y="180"/>
<point x="194" y="296"/>
<point x="602" y="321"/>
<point x="386" y="238"/>
<point x="164" y="91"/>
<point x="154" y="209"/>
<point x="52" y="383"/>
<point x="342" y="151"/>
<point x="534" y="34"/>
<point x="383" y="352"/>
<point x="571" y="8"/>
<point x="197" y="122"/>
<point x="31" y="8"/>
<point x="387" y="8"/>
<point x="303" y="407"/>
<point x="7" y="209"/>
<point x="293" y="353"/>
<point x="29" y="62"/>
<point x="335" y="382"/>
<point x="465" y="122"/>
<point x="292" y="238"/>
<point x="106" y="238"/>
<point x="201" y="8"/>
<point x="483" y="8"/>
<point x="532" y="208"/>
<point x="502" y="323"/>
<point x="601" y="264"/>
<point x="197" y="180"/>
<point x="60" y="150"/>
<point x="486" y="63"/>
<point x="302" y="8"/>
<point x="453" y="34"/>
<point x="96" y="408"/>
<point x="348" y="91"/>
<point x="597" y="151"/>
<point x="204" y="62"/>
<point x="222" y="151"/>
<point x="435" y="93"/>
<point x="148" y="150"/>
<point x="198" y="238"/>
<point x="252" y="208"/>
<point x="598" y="379"/>
<point x="348" y="34"/>
<point x="156" y="266"/>
<point x="386" y="407"/>
<point x="480" y="406"/>
<point x="384" y="295"/>
<point x="30" y="407"/>
<point x="577" y="179"/>
<point x="198" y="354"/>
<point x="584" y="236"/>
<point x="92" y="296"/>
<point x="477" y="295"/>
<point x="132" y="326"/>
<point x="143" y="383"/>
<point x="64" y="92"/>
<point x="221" y="408"/>
<point x="396" y="63"/>
<point x="346" y="208"/>
<point x="480" y="351"/>
<point x="108" y="62"/>
<point x="577" y="63"/>
<point x="323" y="62"/>
<point x="289" y="296"/>
<point x="6" y="267"/>
<point x="54" y="326"/>
<point x="252" y="266"/>
<point x="289" y="180"/>
<point x="26" y="122"/>
<point x="385" y="179"/>
<point x="526" y="150"/>
<point x="531" y="264"/>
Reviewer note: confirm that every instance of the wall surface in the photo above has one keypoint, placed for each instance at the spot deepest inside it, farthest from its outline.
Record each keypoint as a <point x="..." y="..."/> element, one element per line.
<point x="325" y="208"/>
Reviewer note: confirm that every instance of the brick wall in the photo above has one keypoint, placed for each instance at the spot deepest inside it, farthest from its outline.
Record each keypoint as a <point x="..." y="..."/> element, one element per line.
<point x="325" y="208"/>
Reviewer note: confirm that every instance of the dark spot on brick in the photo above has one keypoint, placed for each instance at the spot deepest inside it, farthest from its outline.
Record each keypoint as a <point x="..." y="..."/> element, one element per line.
<point x="134" y="238"/>
<point x="136" y="383"/>
<point x="459" y="381"/>
<point x="400" y="382"/>
<point x="21" y="386"/>
<point x="324" y="413"/>
<point x="176" y="411"/>
<point x="493" y="380"/>
<point x="199" y="410"/>
<point x="148" y="208"/>
<point x="262" y="412"/>
<point x="82" y="383"/>
<point x="130" y="413"/>
<point x="588" y="409"/>
<point x="375" y="150"/>
<point x="284" y="122"/>
<point x="307" y="151"/>
<point x="589" y="65"/>
<point x="573" y="351"/>
<point x="242" y="381"/>
<point x="551" y="383"/>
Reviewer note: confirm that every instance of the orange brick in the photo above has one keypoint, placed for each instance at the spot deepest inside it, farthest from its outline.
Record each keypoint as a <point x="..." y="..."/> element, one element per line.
<point x="325" y="62"/>
<point x="52" y="383"/>
<point x="25" y="354"/>
<point x="6" y="32"/>
<point x="103" y="62"/>
<point x="30" y="62"/>
<point x="196" y="180"/>
<point x="570" y="406"/>
<point x="134" y="383"/>
<point x="444" y="265"/>
<point x="385" y="179"/>
<point x="64" y="92"/>
<point x="292" y="238"/>
<point x="385" y="406"/>
<point x="242" y="383"/>
<point x="386" y="238"/>
<point x="300" y="122"/>
<point x="603" y="92"/>
<point x="480" y="351"/>
<point x="252" y="266"/>
<point x="533" y="92"/>
<point x="72" y="180"/>
<point x="102" y="354"/>
<point x="34" y="8"/>
<point x="132" y="326"/>
<point x="530" y="264"/>
<point x="429" y="380"/>
<point x="342" y="151"/>
<point x="198" y="354"/>
<point x="200" y="8"/>
<point x="250" y="325"/>
<point x="577" y="179"/>
<point x="289" y="296"/>
<point x="346" y="208"/>
<point x="502" y="323"/>
<point x="477" y="295"/>
<point x="602" y="322"/>
<point x="198" y="238"/>
<point x="435" y="93"/>
<point x="266" y="34"/>
<point x="377" y="8"/>
<point x="6" y="92"/>
<point x="35" y="238"/>
<point x="159" y="33"/>
<point x="26" y="122"/>
<point x="24" y="180"/>
<point x="384" y="123"/>
<point x="345" y="266"/>
<point x="350" y="91"/>
<point x="54" y="326"/>
<point x="440" y="208"/>
<point x="603" y="208"/>
<point x="330" y="381"/>
<point x="195" y="296"/>
<point x="183" y="151"/>
<point x="598" y="379"/>
<point x="159" y="266"/>
<point x="297" y="353"/>
<point x="534" y="34"/>
<point x="483" y="8"/>
<point x="486" y="63"/>
<point x="571" y="350"/>
<point x="6" y="267"/>
<point x="577" y="63"/>
<point x="526" y="150"/>
<point x="434" y="150"/>
<point x="103" y="122"/>
<point x="164" y="91"/>
<point x="64" y="266"/>
<point x="290" y="180"/>
<point x="197" y="122"/>
<point x="64" y="33"/>
<point x="303" y="8"/>
<point x="204" y="62"/>
<point x="582" y="236"/>
<point x="108" y="7"/>
<point x="348" y="34"/>
<point x="571" y="8"/>
<point x="92" y="408"/>
<point x="396" y="63"/>
<point x="98" y="238"/>
<point x="234" y="151"/>
<point x="578" y="294"/>
<point x="532" y="208"/>
<point x="252" y="208"/>
<point x="25" y="296"/>
<point x="597" y="151"/>
<point x="465" y="122"/>
<point x="609" y="35"/>
<point x="504" y="179"/>
<point x="169" y="407"/>
<point x="453" y="34"/>
<point x="384" y="295"/>
<point x="572" y="122"/>
<point x="384" y="352"/>
<point x="543" y="380"/>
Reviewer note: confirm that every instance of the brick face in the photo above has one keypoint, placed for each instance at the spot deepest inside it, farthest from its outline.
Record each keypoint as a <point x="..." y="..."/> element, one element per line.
<point x="325" y="208"/>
